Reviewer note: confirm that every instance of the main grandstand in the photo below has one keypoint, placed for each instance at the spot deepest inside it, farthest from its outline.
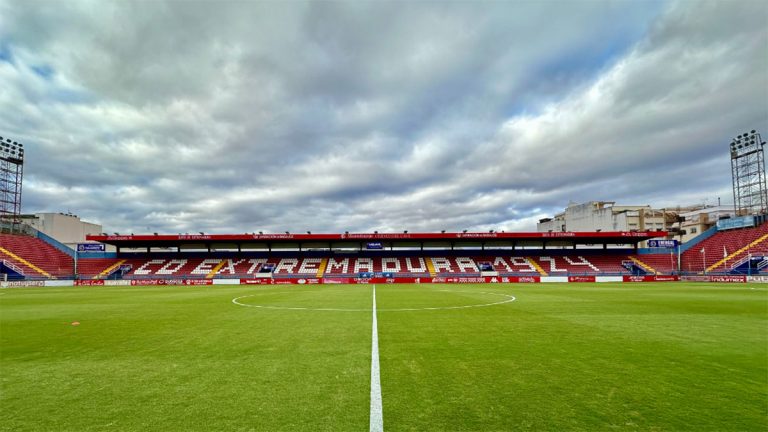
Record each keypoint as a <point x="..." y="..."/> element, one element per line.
<point x="726" y="250"/>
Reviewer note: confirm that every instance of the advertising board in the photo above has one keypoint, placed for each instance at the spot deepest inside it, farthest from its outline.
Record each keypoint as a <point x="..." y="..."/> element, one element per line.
<point x="91" y="247"/>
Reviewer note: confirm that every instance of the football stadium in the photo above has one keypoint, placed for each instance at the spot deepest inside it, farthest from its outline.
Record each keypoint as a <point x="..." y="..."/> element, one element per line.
<point x="403" y="331"/>
<point x="338" y="216"/>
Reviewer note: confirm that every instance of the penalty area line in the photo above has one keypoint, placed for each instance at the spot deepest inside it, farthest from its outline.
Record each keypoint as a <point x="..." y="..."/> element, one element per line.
<point x="377" y="414"/>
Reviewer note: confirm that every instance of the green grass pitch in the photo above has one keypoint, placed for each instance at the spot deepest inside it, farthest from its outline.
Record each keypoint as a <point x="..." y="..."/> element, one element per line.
<point x="658" y="357"/>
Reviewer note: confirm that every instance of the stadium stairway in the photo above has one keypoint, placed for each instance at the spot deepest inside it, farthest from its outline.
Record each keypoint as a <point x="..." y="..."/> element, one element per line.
<point x="538" y="267"/>
<point x="107" y="271"/>
<point x="660" y="263"/>
<point x="97" y="268"/>
<point x="321" y="268"/>
<point x="643" y="265"/>
<point x="216" y="269"/>
<point x="431" y="268"/>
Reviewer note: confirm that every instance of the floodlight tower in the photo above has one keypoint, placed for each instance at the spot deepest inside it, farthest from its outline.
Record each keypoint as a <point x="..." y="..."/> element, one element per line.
<point x="11" y="174"/>
<point x="750" y="195"/>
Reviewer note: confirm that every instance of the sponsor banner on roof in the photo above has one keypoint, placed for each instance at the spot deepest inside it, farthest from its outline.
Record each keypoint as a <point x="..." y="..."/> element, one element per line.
<point x="146" y="238"/>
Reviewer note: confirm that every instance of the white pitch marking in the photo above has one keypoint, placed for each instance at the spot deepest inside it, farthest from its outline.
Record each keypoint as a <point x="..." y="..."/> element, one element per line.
<point x="508" y="299"/>
<point x="377" y="413"/>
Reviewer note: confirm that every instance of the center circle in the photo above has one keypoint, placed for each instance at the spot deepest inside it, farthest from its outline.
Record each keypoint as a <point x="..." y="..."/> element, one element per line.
<point x="507" y="298"/>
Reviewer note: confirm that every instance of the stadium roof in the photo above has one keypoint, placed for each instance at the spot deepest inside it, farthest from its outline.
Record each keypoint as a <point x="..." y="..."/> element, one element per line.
<point x="164" y="240"/>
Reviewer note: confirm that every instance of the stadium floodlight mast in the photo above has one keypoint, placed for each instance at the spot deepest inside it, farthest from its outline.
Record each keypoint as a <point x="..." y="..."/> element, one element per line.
<point x="750" y="194"/>
<point x="11" y="176"/>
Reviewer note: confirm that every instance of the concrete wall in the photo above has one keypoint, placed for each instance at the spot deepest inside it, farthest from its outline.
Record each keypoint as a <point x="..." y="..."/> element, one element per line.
<point x="67" y="229"/>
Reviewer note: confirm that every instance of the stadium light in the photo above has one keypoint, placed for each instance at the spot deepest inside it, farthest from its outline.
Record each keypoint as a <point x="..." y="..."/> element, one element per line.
<point x="11" y="178"/>
<point x="12" y="151"/>
<point x="750" y="193"/>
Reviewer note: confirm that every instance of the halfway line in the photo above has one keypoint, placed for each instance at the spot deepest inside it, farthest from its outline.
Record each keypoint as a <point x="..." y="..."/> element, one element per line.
<point x="377" y="414"/>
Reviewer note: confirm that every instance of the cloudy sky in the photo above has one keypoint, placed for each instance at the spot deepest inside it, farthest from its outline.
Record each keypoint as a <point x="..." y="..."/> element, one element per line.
<point x="333" y="116"/>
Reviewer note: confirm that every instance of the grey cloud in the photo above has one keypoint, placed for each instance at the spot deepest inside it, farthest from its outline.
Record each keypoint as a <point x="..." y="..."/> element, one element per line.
<point x="354" y="116"/>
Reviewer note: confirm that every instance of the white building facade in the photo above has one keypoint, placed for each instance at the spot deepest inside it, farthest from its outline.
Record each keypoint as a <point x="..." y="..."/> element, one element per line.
<point x="66" y="228"/>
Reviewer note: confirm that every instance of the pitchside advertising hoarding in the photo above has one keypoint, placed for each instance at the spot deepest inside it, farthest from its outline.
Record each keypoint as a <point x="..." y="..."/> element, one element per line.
<point x="651" y="278"/>
<point x="382" y="280"/>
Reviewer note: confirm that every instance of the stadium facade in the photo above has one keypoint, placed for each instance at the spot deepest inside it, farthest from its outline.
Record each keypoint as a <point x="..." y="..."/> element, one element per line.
<point x="736" y="249"/>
